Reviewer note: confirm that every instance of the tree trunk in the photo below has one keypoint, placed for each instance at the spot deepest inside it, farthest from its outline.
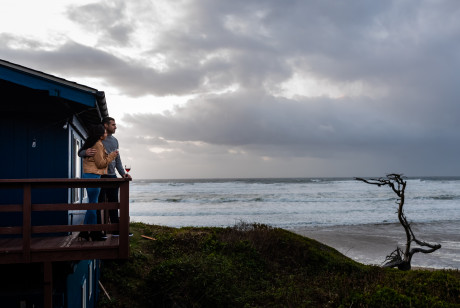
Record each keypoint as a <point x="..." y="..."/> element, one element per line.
<point x="398" y="258"/>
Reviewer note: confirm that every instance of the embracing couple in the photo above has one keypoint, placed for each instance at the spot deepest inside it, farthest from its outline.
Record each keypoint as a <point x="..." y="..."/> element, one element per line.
<point x="100" y="159"/>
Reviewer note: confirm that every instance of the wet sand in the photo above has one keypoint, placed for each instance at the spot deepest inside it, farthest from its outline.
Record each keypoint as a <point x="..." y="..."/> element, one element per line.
<point x="370" y="244"/>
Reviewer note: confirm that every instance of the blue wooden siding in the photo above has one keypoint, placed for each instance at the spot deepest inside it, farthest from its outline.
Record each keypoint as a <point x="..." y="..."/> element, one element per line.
<point x="86" y="274"/>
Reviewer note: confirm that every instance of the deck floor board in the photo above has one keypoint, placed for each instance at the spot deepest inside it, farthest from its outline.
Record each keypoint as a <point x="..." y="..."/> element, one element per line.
<point x="58" y="248"/>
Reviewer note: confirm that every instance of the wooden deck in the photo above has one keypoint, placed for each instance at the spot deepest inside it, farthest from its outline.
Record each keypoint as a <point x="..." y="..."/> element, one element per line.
<point x="29" y="244"/>
<point x="58" y="248"/>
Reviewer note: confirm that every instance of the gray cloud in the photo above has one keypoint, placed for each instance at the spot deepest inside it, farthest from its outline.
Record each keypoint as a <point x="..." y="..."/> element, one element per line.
<point x="257" y="119"/>
<point x="107" y="18"/>
<point x="405" y="54"/>
<point x="131" y="78"/>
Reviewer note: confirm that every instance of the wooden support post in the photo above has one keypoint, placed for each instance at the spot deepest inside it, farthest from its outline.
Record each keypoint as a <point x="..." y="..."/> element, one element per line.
<point x="47" y="284"/>
<point x="124" y="221"/>
<point x="26" y="221"/>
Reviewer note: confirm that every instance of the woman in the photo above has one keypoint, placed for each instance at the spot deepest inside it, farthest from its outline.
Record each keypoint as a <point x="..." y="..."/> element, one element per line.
<point x="93" y="168"/>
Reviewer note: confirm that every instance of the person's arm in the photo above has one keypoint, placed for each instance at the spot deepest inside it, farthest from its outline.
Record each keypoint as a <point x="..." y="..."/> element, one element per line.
<point x="119" y="166"/>
<point x="86" y="153"/>
<point x="100" y="159"/>
<point x="82" y="153"/>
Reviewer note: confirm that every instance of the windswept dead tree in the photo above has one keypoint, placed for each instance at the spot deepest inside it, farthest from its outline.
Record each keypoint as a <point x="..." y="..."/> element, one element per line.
<point x="399" y="258"/>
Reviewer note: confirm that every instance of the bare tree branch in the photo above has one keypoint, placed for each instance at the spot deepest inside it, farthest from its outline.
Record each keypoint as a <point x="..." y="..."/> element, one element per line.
<point x="399" y="258"/>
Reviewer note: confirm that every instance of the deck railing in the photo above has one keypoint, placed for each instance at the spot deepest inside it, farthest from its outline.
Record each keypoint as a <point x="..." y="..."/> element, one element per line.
<point x="30" y="251"/>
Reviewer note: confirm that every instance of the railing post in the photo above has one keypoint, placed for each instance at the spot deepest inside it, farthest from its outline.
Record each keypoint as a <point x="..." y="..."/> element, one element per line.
<point x="124" y="220"/>
<point x="26" y="221"/>
<point x="47" y="284"/>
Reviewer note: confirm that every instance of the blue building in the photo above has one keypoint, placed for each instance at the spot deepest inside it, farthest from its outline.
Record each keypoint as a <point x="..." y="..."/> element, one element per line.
<point x="44" y="121"/>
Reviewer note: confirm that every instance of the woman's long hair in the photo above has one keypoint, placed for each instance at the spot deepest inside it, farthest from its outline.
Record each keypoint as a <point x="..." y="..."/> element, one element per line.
<point x="95" y="134"/>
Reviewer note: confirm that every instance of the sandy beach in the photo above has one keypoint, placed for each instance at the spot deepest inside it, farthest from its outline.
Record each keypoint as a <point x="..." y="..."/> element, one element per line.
<point x="370" y="244"/>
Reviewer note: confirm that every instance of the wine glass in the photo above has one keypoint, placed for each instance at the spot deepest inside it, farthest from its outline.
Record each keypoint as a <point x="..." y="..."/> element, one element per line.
<point x="127" y="168"/>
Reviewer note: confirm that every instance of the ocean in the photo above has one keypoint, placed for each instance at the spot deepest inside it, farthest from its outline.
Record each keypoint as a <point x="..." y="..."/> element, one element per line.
<point x="356" y="218"/>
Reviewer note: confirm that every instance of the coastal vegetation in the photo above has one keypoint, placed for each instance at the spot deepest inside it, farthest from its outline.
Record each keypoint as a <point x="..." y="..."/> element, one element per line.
<point x="254" y="265"/>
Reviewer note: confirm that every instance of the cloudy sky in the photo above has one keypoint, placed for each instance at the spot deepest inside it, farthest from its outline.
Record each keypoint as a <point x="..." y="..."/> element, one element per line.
<point x="259" y="88"/>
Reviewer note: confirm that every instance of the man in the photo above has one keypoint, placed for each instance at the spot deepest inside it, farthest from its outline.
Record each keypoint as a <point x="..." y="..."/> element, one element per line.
<point x="110" y="144"/>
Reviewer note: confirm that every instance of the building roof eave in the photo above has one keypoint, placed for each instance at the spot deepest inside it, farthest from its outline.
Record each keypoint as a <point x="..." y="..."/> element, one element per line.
<point x="93" y="99"/>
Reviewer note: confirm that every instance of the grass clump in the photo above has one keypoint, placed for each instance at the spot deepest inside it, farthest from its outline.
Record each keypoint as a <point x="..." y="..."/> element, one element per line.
<point x="253" y="265"/>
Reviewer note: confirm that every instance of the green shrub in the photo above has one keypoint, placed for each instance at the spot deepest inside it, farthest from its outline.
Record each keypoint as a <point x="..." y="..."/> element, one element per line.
<point x="253" y="265"/>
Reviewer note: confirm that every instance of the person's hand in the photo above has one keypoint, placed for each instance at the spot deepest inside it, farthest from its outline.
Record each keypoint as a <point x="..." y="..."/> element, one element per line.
<point x="90" y="152"/>
<point x="126" y="175"/>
